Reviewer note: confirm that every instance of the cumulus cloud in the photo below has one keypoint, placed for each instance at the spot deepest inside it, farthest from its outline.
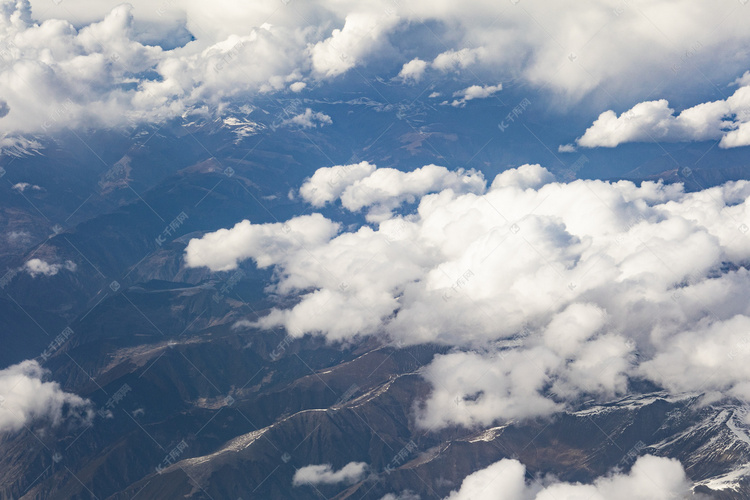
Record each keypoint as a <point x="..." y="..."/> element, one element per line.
<point x="381" y="191"/>
<point x="451" y="60"/>
<point x="566" y="148"/>
<point x="719" y="348"/>
<point x="55" y="75"/>
<point x="328" y="183"/>
<point x="524" y="177"/>
<point x="38" y="267"/>
<point x="470" y="389"/>
<point x="725" y="120"/>
<point x="345" y="48"/>
<point x="52" y="70"/>
<point x="324" y="474"/>
<point x="506" y="476"/>
<point x="297" y="86"/>
<point x="309" y="119"/>
<point x="266" y="243"/>
<point x="25" y="397"/>
<point x="475" y="92"/>
<point x="550" y="292"/>
<point x="651" y="478"/>
<point x="413" y="70"/>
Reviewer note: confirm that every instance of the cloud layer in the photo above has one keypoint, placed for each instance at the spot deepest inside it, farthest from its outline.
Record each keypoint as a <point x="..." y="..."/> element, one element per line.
<point x="551" y="291"/>
<point x="55" y="75"/>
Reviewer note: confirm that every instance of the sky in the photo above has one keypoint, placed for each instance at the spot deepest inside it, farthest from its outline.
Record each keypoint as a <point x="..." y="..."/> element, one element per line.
<point x="549" y="290"/>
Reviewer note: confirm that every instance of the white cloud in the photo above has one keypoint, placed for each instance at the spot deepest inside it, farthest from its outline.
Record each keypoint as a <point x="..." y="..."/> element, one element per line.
<point x="297" y="86"/>
<point x="267" y="243"/>
<point x="38" y="267"/>
<point x="413" y="70"/>
<point x="651" y="478"/>
<point x="524" y="177"/>
<point x="324" y="474"/>
<point x="506" y="476"/>
<point x="404" y="495"/>
<point x="452" y="60"/>
<point x="25" y="397"/>
<point x="327" y="183"/>
<point x="51" y="69"/>
<point x="566" y="148"/>
<point x="23" y="186"/>
<point x="719" y="348"/>
<point x="727" y="120"/>
<point x="470" y="389"/>
<point x="475" y="92"/>
<point x="103" y="74"/>
<point x="58" y="76"/>
<point x="345" y="48"/>
<point x="309" y="119"/>
<point x="362" y="186"/>
<point x="549" y="291"/>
